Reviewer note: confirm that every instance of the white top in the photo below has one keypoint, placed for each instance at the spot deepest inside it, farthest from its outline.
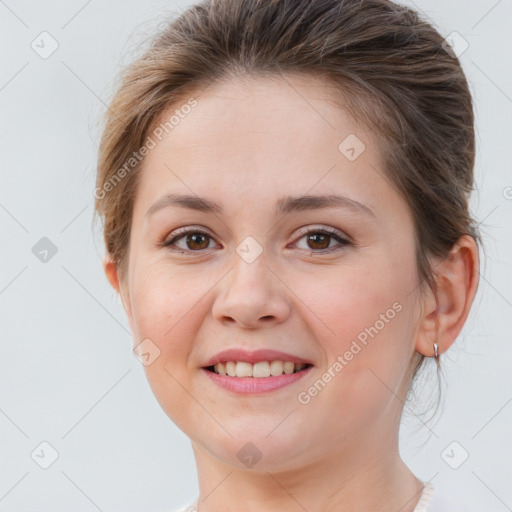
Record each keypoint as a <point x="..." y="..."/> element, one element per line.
<point x="425" y="504"/>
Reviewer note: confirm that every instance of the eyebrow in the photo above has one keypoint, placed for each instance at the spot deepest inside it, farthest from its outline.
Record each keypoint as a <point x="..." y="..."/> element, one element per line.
<point x="284" y="205"/>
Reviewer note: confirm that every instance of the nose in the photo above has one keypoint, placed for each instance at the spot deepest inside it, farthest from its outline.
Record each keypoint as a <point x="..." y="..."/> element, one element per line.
<point x="251" y="296"/>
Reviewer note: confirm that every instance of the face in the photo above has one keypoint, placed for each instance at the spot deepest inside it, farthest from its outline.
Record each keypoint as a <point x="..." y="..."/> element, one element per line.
<point x="333" y="285"/>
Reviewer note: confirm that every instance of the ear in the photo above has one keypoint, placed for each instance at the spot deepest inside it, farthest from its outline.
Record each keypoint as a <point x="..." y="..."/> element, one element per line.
<point x="111" y="271"/>
<point x="445" y="312"/>
<point x="110" y="268"/>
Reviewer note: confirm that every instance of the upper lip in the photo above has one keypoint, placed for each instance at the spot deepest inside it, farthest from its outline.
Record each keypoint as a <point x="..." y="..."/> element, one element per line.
<point x="239" y="354"/>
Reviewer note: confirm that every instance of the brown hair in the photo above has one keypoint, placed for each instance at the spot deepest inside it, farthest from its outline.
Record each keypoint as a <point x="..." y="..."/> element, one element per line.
<point x="397" y="75"/>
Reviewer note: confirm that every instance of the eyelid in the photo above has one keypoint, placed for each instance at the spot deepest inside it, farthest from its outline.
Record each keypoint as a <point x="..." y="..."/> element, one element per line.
<point x="318" y="227"/>
<point x="185" y="230"/>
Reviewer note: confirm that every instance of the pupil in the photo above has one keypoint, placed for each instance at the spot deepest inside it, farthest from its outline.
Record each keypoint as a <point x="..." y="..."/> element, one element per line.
<point x="193" y="237"/>
<point x="311" y="237"/>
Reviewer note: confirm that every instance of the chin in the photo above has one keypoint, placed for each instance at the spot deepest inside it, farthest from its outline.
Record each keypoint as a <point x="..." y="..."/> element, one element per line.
<point x="255" y="450"/>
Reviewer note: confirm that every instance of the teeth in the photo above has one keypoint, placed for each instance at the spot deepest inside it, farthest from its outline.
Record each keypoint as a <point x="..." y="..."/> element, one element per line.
<point x="257" y="370"/>
<point x="243" y="369"/>
<point x="288" y="367"/>
<point x="220" y="368"/>
<point x="277" y="367"/>
<point x="230" y="368"/>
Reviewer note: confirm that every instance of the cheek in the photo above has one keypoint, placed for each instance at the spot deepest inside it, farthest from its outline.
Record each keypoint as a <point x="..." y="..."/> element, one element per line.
<point x="166" y="306"/>
<point x="345" y="299"/>
<point x="167" y="311"/>
<point x="369" y="305"/>
<point x="360" y="313"/>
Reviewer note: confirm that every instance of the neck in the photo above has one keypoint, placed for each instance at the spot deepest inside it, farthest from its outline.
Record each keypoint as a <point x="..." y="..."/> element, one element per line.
<point x="360" y="477"/>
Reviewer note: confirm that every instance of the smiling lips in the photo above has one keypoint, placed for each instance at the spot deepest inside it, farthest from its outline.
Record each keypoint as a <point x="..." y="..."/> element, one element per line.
<point x="255" y="372"/>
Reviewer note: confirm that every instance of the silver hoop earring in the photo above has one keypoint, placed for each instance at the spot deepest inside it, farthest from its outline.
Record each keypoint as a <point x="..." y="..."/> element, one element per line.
<point x="436" y="350"/>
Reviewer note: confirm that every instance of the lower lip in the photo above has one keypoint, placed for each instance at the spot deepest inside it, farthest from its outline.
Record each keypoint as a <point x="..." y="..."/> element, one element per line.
<point x="255" y="384"/>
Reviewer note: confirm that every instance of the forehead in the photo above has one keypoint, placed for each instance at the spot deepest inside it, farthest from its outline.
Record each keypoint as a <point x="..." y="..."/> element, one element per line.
<point x="256" y="124"/>
<point x="281" y="112"/>
<point x="249" y="139"/>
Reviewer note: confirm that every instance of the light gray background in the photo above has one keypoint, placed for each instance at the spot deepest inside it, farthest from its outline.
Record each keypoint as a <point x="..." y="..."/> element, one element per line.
<point x="67" y="373"/>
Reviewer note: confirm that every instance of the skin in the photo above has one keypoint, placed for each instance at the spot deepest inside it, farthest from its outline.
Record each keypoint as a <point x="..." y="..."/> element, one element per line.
<point x="340" y="451"/>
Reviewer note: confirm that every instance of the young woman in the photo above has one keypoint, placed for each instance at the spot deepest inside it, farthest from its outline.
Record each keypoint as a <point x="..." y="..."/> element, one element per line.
<point x="284" y="189"/>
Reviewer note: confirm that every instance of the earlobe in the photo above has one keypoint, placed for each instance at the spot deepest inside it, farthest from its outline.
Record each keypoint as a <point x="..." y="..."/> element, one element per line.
<point x="111" y="271"/>
<point x="457" y="282"/>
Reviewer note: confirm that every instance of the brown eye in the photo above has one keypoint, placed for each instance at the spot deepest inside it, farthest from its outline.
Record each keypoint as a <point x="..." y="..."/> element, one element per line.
<point x="195" y="241"/>
<point x="319" y="240"/>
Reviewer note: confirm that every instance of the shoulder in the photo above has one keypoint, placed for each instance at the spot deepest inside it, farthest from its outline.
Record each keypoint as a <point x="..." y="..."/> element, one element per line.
<point x="191" y="507"/>
<point x="438" y="499"/>
<point x="425" y="501"/>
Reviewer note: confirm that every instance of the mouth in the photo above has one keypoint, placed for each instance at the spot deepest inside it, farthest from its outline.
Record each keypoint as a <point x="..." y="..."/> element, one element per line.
<point x="259" y="370"/>
<point x="254" y="372"/>
<point x="256" y="379"/>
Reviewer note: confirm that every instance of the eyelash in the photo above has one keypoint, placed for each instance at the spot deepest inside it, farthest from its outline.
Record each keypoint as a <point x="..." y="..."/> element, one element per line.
<point x="182" y="233"/>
